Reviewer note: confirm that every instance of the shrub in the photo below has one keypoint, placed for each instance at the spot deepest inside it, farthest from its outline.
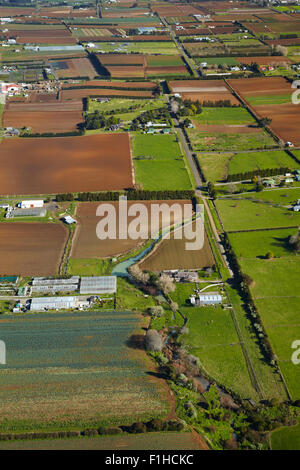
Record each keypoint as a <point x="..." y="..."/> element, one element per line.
<point x="90" y="432"/>
<point x="155" y="425"/>
<point x="137" y="428"/>
<point x="110" y="431"/>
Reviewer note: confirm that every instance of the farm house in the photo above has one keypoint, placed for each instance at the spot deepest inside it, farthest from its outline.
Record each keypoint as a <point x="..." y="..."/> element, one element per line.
<point x="98" y="285"/>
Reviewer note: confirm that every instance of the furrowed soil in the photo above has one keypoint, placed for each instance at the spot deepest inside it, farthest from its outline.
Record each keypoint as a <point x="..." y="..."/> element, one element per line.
<point x="31" y="249"/>
<point x="66" y="164"/>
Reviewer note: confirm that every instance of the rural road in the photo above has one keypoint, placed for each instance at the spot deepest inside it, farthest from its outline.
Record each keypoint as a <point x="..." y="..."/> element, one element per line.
<point x="180" y="47"/>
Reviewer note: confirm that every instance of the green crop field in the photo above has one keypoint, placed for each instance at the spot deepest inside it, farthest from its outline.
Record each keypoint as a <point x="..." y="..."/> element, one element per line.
<point x="249" y="215"/>
<point x="164" y="168"/>
<point x="243" y="162"/>
<point x="276" y="294"/>
<point x="74" y="370"/>
<point x="213" y="338"/>
<point x="258" y="244"/>
<point x="284" y="196"/>
<point x="269" y="99"/>
<point x="142" y="47"/>
<point x="148" y="441"/>
<point x="220" y="142"/>
<point x="214" y="166"/>
<point x="228" y="116"/>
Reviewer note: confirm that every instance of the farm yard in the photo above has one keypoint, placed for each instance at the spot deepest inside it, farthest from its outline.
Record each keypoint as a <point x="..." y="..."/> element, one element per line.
<point x="76" y="355"/>
<point x="31" y="249"/>
<point x="69" y="164"/>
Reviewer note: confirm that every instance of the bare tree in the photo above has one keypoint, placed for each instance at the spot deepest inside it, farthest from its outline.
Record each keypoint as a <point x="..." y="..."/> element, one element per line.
<point x="139" y="275"/>
<point x="153" y="341"/>
<point x="166" y="283"/>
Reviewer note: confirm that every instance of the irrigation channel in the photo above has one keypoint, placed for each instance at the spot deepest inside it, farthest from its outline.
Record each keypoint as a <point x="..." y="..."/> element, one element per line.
<point x="121" y="269"/>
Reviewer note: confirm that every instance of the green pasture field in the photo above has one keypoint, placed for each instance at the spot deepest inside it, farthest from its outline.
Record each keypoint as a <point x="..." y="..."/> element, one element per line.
<point x="228" y="116"/>
<point x="206" y="141"/>
<point x="278" y="196"/>
<point x="276" y="281"/>
<point x="87" y="267"/>
<point x="213" y="338"/>
<point x="286" y="438"/>
<point x="59" y="359"/>
<point x="204" y="49"/>
<point x="258" y="244"/>
<point x="249" y="215"/>
<point x="163" y="47"/>
<point x="161" y="61"/>
<point x="167" y="170"/>
<point x="126" y="109"/>
<point x="146" y="441"/>
<point x="243" y="162"/>
<point x="214" y="166"/>
<point x="269" y="99"/>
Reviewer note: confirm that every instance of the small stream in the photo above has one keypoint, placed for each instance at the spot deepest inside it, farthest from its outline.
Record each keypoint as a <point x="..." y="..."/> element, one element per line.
<point x="121" y="269"/>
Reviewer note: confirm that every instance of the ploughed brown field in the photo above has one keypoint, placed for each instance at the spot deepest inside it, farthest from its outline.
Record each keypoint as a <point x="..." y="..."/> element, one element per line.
<point x="46" y="36"/>
<point x="208" y="90"/>
<point x="85" y="92"/>
<point x="201" y="97"/>
<point x="115" y="84"/>
<point x="66" y="164"/>
<point x="268" y="60"/>
<point x="87" y="245"/>
<point x="285" y="117"/>
<point x="44" y="121"/>
<point x="285" y="120"/>
<point x="72" y="68"/>
<point x="55" y="116"/>
<point x="172" y="254"/>
<point x="261" y="86"/>
<point x="31" y="249"/>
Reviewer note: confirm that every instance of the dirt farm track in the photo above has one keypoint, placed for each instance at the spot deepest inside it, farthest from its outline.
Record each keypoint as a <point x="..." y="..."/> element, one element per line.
<point x="65" y="164"/>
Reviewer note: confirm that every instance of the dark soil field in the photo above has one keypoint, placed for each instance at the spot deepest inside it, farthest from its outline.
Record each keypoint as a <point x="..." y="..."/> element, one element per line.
<point x="31" y="249"/>
<point x="53" y="116"/>
<point x="66" y="164"/>
<point x="171" y="254"/>
<point x="75" y="94"/>
<point x="261" y="86"/>
<point x="87" y="245"/>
